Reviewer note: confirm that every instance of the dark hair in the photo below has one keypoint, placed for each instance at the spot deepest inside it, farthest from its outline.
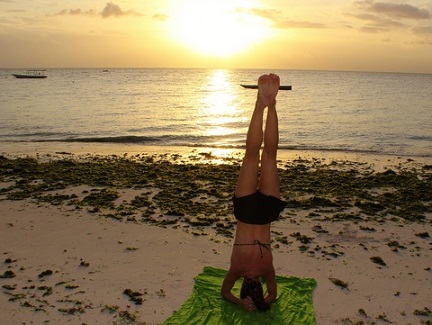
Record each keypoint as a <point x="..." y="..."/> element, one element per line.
<point x="252" y="287"/>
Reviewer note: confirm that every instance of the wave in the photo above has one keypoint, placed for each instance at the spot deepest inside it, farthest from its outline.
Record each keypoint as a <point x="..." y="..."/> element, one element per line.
<point x="184" y="140"/>
<point x="421" y="138"/>
<point x="41" y="134"/>
<point x="217" y="142"/>
<point x="118" y="139"/>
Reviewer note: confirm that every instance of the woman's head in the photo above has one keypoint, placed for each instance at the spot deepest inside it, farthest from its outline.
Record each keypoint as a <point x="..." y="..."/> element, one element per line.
<point x="252" y="287"/>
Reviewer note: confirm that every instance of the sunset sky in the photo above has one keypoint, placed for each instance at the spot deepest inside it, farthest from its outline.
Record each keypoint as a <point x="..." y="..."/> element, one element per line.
<point x="363" y="35"/>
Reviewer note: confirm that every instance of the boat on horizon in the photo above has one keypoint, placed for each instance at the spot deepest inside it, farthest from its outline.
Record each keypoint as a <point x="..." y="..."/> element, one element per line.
<point x="281" y="87"/>
<point x="31" y="74"/>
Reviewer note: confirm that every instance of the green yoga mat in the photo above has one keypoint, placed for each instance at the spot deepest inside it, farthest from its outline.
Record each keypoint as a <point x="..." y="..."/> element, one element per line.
<point x="206" y="306"/>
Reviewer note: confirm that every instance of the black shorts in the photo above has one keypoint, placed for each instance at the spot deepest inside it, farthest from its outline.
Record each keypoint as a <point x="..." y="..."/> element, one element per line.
<point x="257" y="208"/>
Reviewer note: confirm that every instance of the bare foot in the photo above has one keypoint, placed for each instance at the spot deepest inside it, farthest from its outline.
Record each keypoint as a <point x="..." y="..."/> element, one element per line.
<point x="268" y="86"/>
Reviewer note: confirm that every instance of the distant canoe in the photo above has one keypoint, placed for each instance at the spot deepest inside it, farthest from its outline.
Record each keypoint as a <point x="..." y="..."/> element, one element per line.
<point x="31" y="74"/>
<point x="256" y="87"/>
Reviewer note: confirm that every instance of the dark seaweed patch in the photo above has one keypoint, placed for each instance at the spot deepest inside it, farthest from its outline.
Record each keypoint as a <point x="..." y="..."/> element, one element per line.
<point x="378" y="260"/>
<point x="45" y="273"/>
<point x="134" y="296"/>
<point x="8" y="275"/>
<point x="199" y="194"/>
<point x="339" y="283"/>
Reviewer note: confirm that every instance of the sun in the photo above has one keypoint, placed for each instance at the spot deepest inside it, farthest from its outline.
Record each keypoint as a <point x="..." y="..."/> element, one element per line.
<point x="217" y="28"/>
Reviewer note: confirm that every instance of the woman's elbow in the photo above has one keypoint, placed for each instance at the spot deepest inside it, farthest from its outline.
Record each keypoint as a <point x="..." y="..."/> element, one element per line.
<point x="224" y="293"/>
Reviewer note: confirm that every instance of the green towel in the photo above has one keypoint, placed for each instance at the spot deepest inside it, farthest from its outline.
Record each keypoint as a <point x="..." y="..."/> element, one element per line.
<point x="206" y="305"/>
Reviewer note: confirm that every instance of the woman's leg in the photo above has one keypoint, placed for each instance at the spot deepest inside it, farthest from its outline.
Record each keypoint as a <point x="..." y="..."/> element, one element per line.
<point x="268" y="86"/>
<point x="248" y="177"/>
<point x="269" y="180"/>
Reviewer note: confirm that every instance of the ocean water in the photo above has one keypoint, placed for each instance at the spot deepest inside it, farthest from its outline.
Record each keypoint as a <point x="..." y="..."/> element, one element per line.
<point x="356" y="112"/>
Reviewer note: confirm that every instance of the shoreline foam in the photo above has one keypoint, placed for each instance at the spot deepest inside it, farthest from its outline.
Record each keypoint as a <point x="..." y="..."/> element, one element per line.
<point x="59" y="150"/>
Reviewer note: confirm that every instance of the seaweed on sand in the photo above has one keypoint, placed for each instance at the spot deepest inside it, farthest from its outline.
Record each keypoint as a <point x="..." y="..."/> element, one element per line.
<point x="188" y="191"/>
<point x="339" y="283"/>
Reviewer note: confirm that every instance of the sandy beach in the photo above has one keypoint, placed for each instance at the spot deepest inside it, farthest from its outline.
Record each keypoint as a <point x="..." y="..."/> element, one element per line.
<point x="100" y="238"/>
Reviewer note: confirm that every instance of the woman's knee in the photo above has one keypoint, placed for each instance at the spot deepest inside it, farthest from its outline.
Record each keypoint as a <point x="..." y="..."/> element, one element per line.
<point x="269" y="157"/>
<point x="251" y="158"/>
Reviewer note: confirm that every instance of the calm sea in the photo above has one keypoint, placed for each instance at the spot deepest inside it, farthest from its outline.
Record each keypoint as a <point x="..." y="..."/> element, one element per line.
<point x="382" y="113"/>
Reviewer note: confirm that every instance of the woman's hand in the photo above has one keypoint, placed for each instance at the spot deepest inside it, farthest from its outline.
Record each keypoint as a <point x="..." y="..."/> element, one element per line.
<point x="248" y="304"/>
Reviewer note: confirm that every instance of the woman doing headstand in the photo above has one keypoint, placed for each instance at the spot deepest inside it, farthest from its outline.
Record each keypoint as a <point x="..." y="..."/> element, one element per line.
<point x="256" y="204"/>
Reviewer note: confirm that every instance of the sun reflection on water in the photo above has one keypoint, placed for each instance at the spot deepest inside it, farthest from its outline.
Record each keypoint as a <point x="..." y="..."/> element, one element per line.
<point x="218" y="115"/>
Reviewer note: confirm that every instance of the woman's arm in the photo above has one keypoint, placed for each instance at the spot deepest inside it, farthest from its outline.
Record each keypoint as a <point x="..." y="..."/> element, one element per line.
<point x="271" y="289"/>
<point x="227" y="285"/>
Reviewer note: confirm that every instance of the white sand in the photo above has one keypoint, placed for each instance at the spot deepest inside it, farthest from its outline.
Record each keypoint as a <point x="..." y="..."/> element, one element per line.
<point x="46" y="238"/>
<point x="164" y="261"/>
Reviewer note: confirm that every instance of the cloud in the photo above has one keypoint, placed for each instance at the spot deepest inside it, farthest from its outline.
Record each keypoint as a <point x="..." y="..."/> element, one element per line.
<point x="385" y="16"/>
<point x="16" y="11"/>
<point x="160" y="17"/>
<point x="424" y="33"/>
<point x="376" y="20"/>
<point x="394" y="10"/>
<point x="75" y="12"/>
<point x="279" y="22"/>
<point x="113" y="10"/>
<point x="265" y="13"/>
<point x="372" y="30"/>
<point x="110" y="10"/>
<point x="423" y="30"/>
<point x="299" y="24"/>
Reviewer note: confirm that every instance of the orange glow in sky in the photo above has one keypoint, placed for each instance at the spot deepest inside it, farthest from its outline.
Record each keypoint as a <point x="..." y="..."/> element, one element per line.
<point x="361" y="35"/>
<point x="216" y="28"/>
